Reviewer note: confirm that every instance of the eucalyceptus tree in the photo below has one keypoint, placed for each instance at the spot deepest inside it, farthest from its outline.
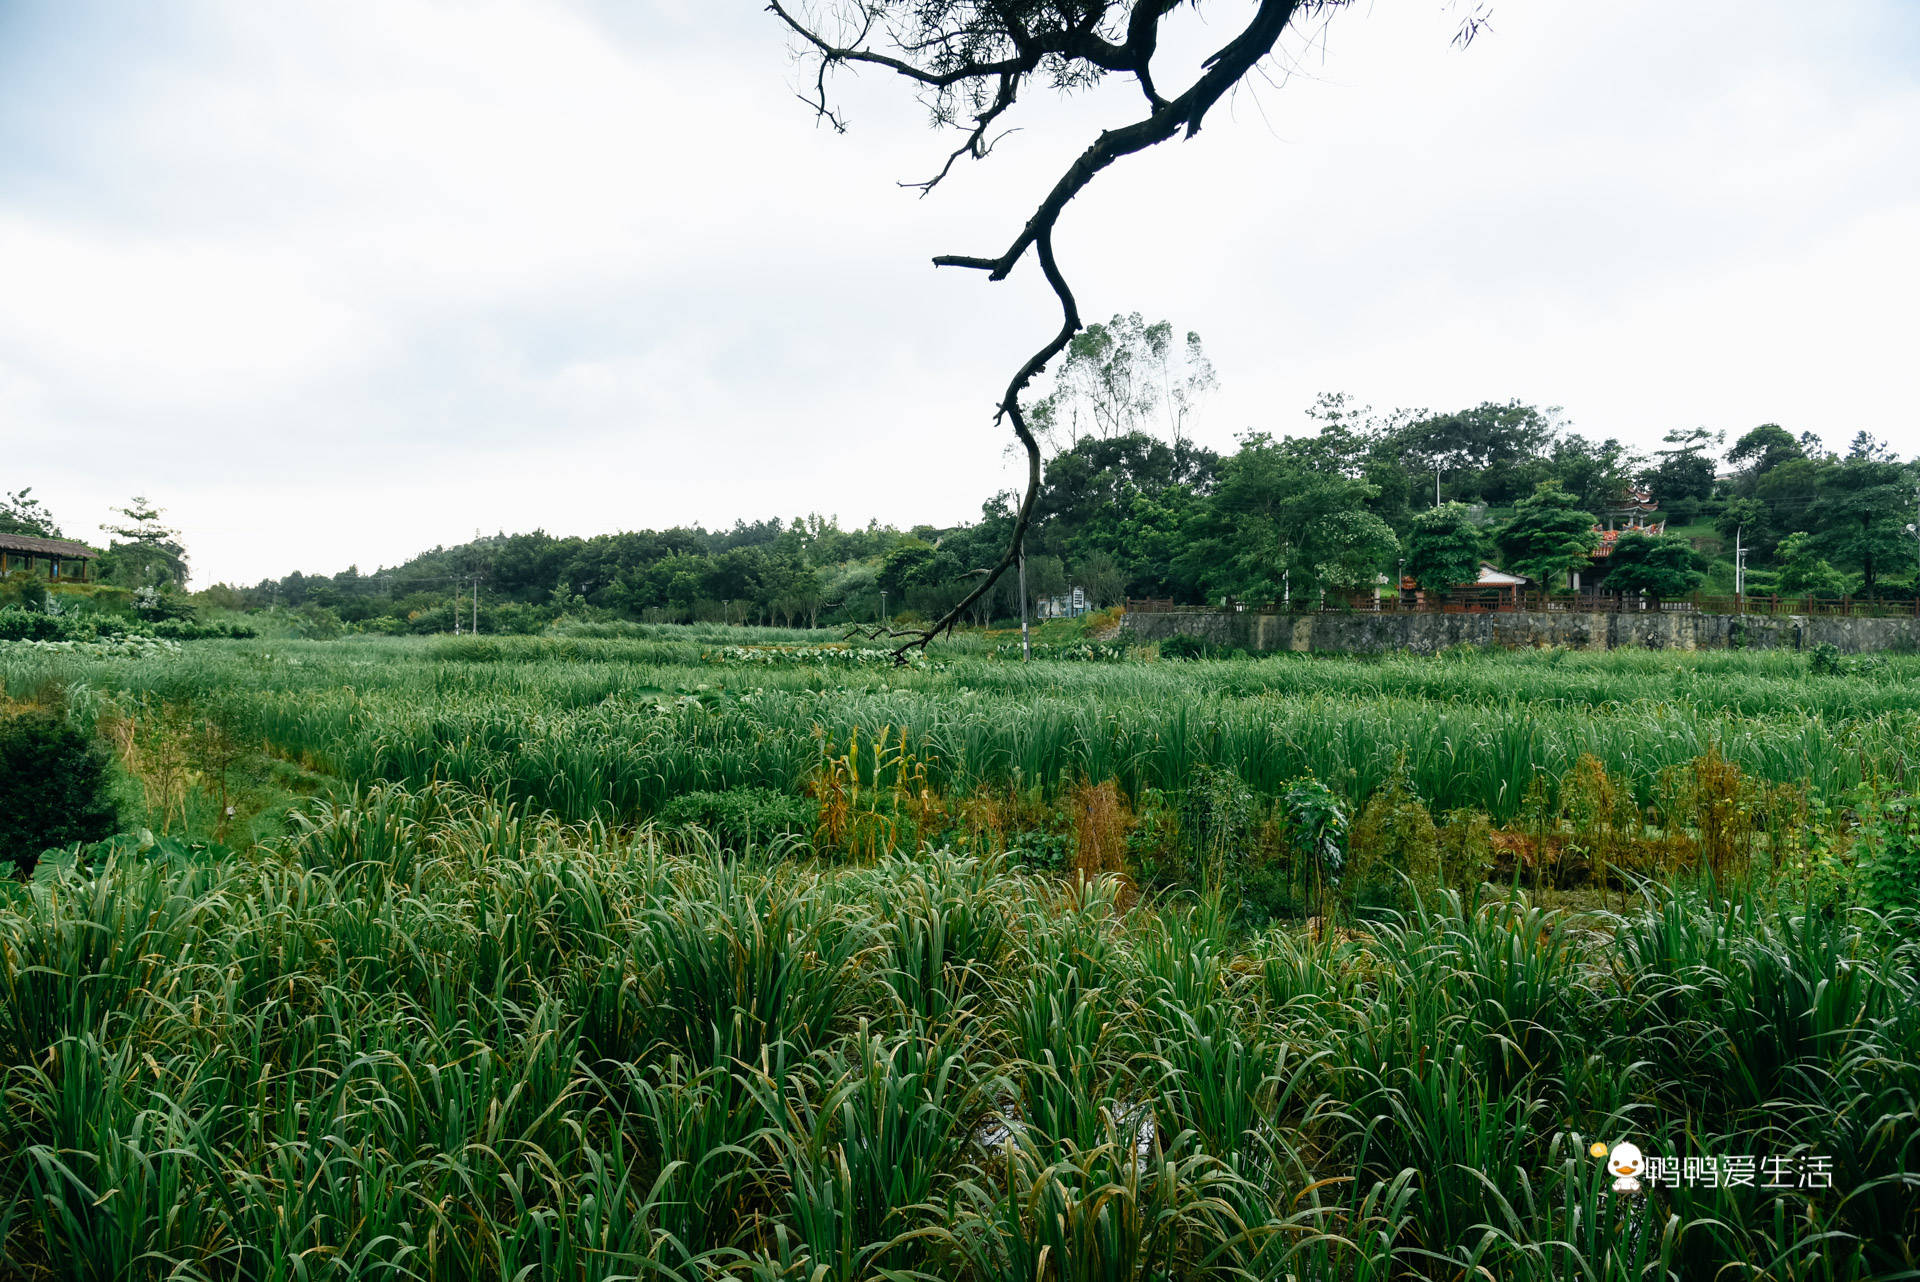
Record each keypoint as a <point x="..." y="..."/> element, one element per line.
<point x="972" y="60"/>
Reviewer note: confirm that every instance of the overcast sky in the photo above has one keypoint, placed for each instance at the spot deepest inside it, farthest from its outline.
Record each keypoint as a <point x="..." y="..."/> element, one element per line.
<point x="336" y="282"/>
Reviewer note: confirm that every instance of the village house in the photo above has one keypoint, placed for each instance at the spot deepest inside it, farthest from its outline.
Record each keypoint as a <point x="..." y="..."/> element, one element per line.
<point x="1493" y="587"/>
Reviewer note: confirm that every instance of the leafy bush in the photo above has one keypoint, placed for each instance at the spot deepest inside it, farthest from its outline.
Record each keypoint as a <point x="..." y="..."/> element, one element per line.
<point x="21" y="589"/>
<point x="193" y="630"/>
<point x="1395" y="844"/>
<point x="1153" y="844"/>
<point x="156" y="605"/>
<point x="17" y="623"/>
<point x="1317" y="828"/>
<point x="1182" y="645"/>
<point x="1888" y="856"/>
<point x="53" y="789"/>
<point x="1825" y="660"/>
<point x="1230" y="844"/>
<point x="1041" y="851"/>
<point x="741" y="816"/>
<point x="1217" y="814"/>
<point x="1466" y="849"/>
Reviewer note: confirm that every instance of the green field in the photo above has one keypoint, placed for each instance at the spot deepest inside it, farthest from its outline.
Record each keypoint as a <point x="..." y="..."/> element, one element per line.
<point x="680" y="954"/>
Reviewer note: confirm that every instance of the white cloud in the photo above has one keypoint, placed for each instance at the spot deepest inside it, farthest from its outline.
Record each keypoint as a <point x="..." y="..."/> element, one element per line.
<point x="336" y="282"/>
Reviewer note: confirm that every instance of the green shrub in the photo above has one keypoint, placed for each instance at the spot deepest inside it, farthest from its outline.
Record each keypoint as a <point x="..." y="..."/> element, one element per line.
<point x="1217" y="813"/>
<point x="194" y="630"/>
<point x="1395" y="839"/>
<point x="1887" y="858"/>
<point x="1317" y="828"/>
<point x="1230" y="844"/>
<point x="1153" y="844"/>
<point x="1825" y="660"/>
<point x="53" y="789"/>
<point x="162" y="606"/>
<point x="1466" y="849"/>
<point x="23" y="590"/>
<point x="1184" y="646"/>
<point x="18" y="623"/>
<point x="741" y="816"/>
<point x="1041" y="851"/>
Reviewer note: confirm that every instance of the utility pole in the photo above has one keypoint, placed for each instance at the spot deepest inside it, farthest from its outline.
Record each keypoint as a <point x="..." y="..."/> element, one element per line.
<point x="476" y="605"/>
<point x="1026" y="642"/>
<point x="1739" y="563"/>
<point x="883" y="606"/>
<point x="1436" y="487"/>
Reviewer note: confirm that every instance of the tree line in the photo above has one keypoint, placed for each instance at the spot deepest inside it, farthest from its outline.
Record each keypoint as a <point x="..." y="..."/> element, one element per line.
<point x="1133" y="513"/>
<point x="1132" y="506"/>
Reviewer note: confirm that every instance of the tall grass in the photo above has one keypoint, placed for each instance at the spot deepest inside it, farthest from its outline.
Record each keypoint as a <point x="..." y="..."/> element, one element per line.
<point x="430" y="1036"/>
<point x="611" y="728"/>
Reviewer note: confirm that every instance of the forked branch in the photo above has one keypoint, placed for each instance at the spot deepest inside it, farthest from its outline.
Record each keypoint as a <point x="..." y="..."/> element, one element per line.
<point x="969" y="45"/>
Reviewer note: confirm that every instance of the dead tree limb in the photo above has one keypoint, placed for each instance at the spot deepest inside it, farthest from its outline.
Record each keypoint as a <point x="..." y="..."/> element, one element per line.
<point x="970" y="61"/>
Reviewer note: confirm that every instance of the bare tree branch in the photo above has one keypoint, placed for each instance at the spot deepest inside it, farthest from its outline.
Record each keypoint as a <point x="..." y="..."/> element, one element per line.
<point x="975" y="146"/>
<point x="1003" y="42"/>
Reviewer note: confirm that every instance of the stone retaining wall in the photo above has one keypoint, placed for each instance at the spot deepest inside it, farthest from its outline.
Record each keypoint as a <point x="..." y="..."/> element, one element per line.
<point x="1364" y="632"/>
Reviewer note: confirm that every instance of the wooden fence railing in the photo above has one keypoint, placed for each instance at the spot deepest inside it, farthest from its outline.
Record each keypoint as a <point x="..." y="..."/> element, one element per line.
<point x="1500" y="602"/>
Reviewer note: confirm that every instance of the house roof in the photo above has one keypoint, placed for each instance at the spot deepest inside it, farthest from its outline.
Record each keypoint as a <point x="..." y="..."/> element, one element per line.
<point x="37" y="546"/>
<point x="1609" y="537"/>
<point x="1491" y="576"/>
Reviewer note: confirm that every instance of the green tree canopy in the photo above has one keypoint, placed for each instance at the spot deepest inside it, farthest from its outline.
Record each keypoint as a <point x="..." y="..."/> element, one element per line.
<point x="1761" y="450"/>
<point x="911" y="564"/>
<point x="1661" y="565"/>
<point x="1491" y="451"/>
<point x="1129" y="498"/>
<point x="1548" y="537"/>
<point x="1865" y="503"/>
<point x="21" y="513"/>
<point x="1597" y="474"/>
<point x="55" y="788"/>
<point x="1444" y="548"/>
<point x="1685" y="470"/>
<point x="1285" y="521"/>
<point x="1121" y="378"/>
<point x="1804" y="572"/>
<point x="147" y="552"/>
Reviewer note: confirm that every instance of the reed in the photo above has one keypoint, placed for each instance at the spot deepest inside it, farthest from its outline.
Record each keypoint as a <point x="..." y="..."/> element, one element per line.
<point x="472" y="1015"/>
<point x="430" y="1036"/>
<point x="613" y="728"/>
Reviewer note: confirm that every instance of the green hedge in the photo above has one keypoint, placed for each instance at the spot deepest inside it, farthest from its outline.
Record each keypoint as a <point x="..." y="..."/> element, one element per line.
<point x="17" y="623"/>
